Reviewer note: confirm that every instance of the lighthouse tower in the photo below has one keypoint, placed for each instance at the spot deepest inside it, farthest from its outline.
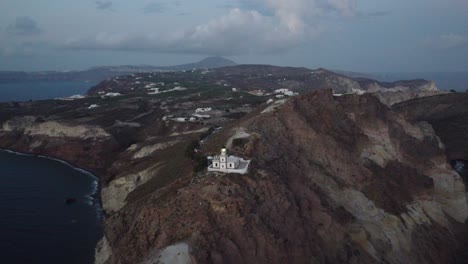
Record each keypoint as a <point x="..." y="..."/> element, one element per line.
<point x="223" y="159"/>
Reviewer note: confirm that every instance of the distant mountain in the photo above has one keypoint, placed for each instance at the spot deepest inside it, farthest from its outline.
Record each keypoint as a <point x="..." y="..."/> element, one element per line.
<point x="101" y="73"/>
<point x="445" y="80"/>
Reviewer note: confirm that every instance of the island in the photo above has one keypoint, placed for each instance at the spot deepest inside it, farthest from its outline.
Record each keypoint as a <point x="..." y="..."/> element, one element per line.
<point x="337" y="169"/>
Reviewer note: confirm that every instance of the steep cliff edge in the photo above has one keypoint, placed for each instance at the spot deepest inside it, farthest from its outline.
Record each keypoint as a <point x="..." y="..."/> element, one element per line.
<point x="448" y="115"/>
<point x="334" y="179"/>
<point x="86" y="146"/>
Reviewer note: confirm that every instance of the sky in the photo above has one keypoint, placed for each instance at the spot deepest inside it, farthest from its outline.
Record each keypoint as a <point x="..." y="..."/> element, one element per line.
<point x="353" y="35"/>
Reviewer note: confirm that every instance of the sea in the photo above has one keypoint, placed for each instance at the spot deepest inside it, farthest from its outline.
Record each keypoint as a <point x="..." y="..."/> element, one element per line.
<point x="25" y="91"/>
<point x="37" y="225"/>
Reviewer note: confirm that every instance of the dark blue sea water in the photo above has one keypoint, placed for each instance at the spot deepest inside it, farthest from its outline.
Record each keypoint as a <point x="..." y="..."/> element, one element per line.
<point x="461" y="166"/>
<point x="36" y="225"/>
<point x="25" y="91"/>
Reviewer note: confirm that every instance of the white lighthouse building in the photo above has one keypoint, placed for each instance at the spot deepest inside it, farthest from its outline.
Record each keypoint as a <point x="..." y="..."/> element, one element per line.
<point x="229" y="164"/>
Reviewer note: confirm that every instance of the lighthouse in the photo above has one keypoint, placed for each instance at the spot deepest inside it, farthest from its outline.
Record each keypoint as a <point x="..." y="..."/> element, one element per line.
<point x="228" y="163"/>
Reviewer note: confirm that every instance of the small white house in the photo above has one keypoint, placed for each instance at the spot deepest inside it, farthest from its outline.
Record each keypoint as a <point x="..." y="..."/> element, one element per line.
<point x="93" y="106"/>
<point x="112" y="94"/>
<point x="286" y="92"/>
<point x="202" y="110"/>
<point x="229" y="164"/>
<point x="201" y="116"/>
<point x="281" y="91"/>
<point x="72" y="98"/>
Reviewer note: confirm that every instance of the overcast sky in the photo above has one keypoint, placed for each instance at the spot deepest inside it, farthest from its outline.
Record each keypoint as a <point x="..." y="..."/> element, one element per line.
<point x="355" y="35"/>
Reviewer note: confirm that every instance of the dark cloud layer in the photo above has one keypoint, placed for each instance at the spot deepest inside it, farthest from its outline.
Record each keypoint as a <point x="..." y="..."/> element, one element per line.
<point x="24" y="26"/>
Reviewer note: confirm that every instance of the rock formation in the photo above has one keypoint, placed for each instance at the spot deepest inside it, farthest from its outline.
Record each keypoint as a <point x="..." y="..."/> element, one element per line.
<point x="337" y="179"/>
<point x="448" y="115"/>
<point x="333" y="179"/>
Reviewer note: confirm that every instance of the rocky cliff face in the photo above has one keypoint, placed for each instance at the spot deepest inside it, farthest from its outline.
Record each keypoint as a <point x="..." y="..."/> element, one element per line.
<point x="86" y="146"/>
<point x="334" y="179"/>
<point x="399" y="91"/>
<point x="448" y="115"/>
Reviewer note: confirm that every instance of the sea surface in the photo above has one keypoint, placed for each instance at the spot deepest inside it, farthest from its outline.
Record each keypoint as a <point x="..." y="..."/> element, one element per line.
<point x="36" y="224"/>
<point x="25" y="91"/>
<point x="461" y="166"/>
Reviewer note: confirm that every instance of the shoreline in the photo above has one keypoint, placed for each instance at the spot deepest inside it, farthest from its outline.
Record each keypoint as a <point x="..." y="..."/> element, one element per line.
<point x="95" y="188"/>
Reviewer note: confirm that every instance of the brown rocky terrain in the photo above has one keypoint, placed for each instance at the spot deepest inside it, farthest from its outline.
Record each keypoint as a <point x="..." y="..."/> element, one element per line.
<point x="448" y="115"/>
<point x="334" y="179"/>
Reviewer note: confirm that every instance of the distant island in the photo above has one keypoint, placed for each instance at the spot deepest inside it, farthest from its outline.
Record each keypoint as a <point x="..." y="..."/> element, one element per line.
<point x="97" y="74"/>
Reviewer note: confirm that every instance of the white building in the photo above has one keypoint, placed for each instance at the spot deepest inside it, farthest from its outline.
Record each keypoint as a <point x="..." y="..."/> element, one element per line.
<point x="112" y="94"/>
<point x="202" y="110"/>
<point x="201" y="116"/>
<point x="286" y="92"/>
<point x="229" y="164"/>
<point x="93" y="106"/>
<point x="282" y="91"/>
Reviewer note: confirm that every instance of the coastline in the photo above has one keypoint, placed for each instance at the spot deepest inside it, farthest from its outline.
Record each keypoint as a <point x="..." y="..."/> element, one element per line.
<point x="94" y="196"/>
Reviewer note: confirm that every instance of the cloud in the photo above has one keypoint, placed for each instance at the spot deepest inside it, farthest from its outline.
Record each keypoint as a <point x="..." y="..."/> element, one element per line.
<point x="448" y="41"/>
<point x="104" y="5"/>
<point x="24" y="26"/>
<point x="238" y="32"/>
<point x="268" y="26"/>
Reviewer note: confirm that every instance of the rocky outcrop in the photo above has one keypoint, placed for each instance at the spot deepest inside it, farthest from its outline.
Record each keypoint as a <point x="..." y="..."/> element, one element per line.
<point x="448" y="115"/>
<point x="333" y="179"/>
<point x="391" y="98"/>
<point x="86" y="146"/>
<point x="398" y="86"/>
<point x="103" y="251"/>
<point x="114" y="195"/>
<point x="33" y="126"/>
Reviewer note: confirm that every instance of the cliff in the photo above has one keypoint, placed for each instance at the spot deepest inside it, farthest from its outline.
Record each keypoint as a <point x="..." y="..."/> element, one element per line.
<point x="448" y="115"/>
<point x="334" y="179"/>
